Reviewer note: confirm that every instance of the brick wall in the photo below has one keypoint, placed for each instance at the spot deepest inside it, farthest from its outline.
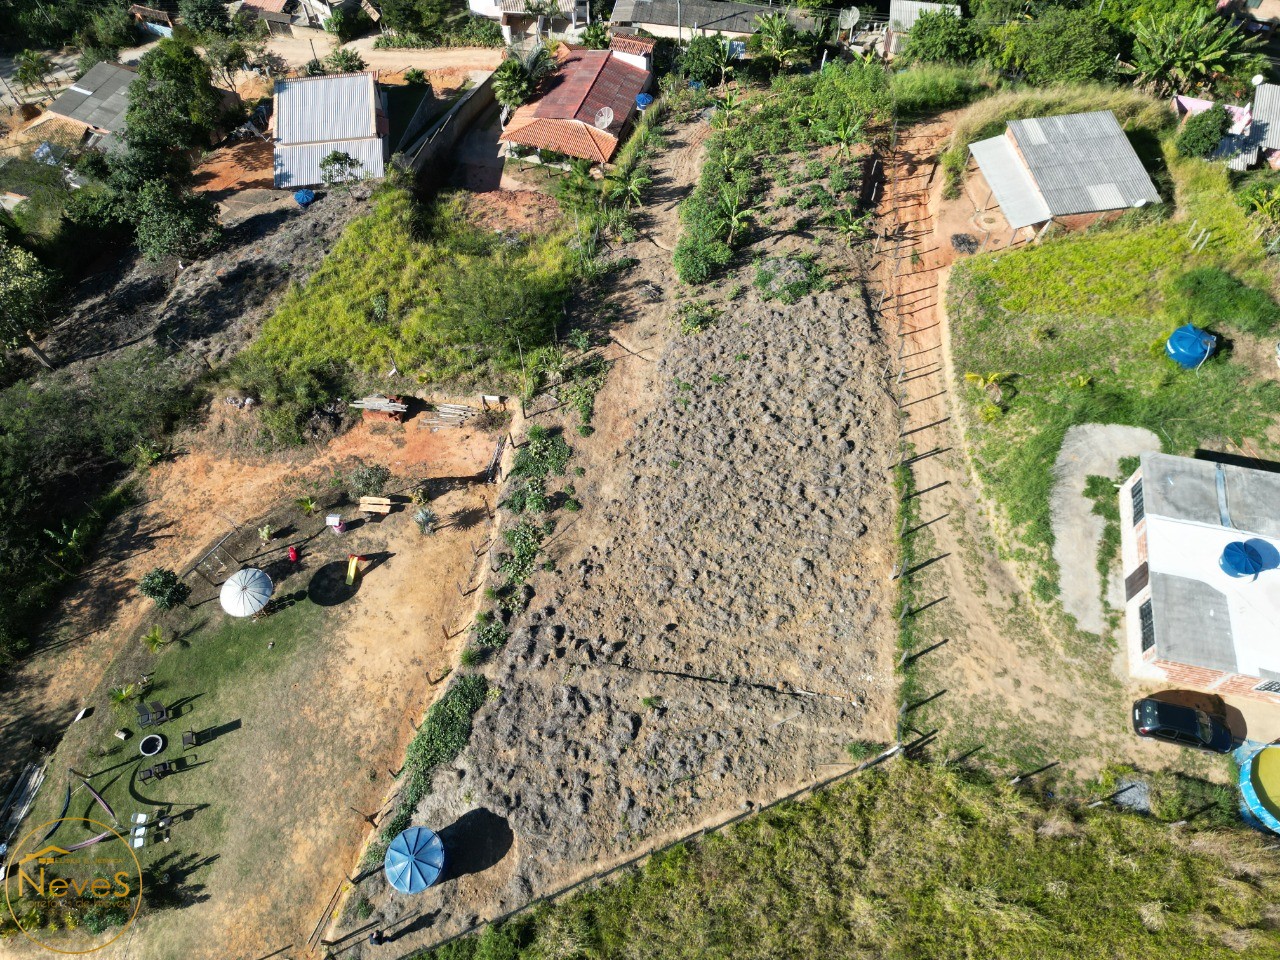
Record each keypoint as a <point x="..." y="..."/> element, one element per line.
<point x="1212" y="681"/>
<point x="1079" y="221"/>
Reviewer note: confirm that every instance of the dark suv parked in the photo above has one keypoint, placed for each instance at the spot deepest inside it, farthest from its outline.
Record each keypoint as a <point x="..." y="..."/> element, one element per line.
<point x="1185" y="726"/>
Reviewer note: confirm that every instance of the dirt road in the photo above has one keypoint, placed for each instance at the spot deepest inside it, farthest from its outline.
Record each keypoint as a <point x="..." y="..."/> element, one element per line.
<point x="306" y="44"/>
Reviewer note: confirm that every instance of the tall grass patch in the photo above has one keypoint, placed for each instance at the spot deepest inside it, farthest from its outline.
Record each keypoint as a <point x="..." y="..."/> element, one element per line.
<point x="424" y="288"/>
<point x="913" y="861"/>
<point x="1075" y="329"/>
<point x="925" y="88"/>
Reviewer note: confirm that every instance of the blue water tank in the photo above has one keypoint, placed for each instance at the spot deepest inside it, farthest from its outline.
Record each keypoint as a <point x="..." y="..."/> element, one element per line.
<point x="1189" y="346"/>
<point x="1240" y="559"/>
<point x="643" y="100"/>
<point x="304" y="198"/>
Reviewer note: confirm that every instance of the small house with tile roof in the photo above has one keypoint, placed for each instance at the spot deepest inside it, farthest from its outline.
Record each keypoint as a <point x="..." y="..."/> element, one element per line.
<point x="583" y="109"/>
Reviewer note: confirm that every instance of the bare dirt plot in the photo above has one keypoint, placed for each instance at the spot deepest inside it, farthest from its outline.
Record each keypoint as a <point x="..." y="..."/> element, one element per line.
<point x="245" y="165"/>
<point x="718" y="624"/>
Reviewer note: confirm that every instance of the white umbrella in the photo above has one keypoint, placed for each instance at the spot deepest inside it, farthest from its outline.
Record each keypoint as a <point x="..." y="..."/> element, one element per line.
<point x="246" y="592"/>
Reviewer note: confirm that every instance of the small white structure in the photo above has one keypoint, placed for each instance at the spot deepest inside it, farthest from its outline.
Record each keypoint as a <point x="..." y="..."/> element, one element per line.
<point x="246" y="592"/>
<point x="1190" y="619"/>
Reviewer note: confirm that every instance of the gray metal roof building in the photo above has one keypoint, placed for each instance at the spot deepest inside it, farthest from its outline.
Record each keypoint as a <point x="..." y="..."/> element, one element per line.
<point x="707" y="15"/>
<point x="1058" y="166"/>
<point x="904" y="13"/>
<point x="1178" y="516"/>
<point x="99" y="99"/>
<point x="315" y="116"/>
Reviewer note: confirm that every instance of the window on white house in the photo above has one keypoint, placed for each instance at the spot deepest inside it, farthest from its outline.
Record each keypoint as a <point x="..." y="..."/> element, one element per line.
<point x="1148" y="624"/>
<point x="1139" y="503"/>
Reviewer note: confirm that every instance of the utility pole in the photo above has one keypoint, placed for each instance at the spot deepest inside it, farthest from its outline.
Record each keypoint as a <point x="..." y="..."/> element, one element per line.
<point x="679" y="24"/>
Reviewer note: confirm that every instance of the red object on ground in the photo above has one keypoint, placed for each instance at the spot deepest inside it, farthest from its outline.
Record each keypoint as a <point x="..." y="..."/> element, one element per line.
<point x="385" y="414"/>
<point x="293" y="554"/>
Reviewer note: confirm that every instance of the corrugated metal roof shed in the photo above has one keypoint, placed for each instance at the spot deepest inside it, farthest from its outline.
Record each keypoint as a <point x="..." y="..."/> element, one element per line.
<point x="709" y="15"/>
<point x="904" y="13"/>
<point x="1083" y="162"/>
<point x="1015" y="191"/>
<point x="299" y="165"/>
<point x="99" y="98"/>
<point x="311" y="109"/>
<point x="1266" y="116"/>
<point x="315" y="116"/>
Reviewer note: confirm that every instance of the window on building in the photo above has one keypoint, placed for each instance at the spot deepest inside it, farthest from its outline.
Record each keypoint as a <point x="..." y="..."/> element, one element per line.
<point x="1268" y="686"/>
<point x="1148" y="625"/>
<point x="1139" y="504"/>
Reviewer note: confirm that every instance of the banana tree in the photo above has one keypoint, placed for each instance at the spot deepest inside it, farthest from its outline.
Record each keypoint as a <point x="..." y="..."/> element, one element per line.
<point x="1187" y="51"/>
<point x="732" y="212"/>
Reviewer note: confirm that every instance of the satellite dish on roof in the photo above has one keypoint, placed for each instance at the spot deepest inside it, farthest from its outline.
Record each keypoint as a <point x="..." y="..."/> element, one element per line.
<point x="849" y="18"/>
<point x="1258" y="80"/>
<point x="604" y="117"/>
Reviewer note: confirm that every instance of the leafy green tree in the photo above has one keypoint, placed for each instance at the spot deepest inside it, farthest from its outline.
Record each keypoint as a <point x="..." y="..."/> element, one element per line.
<point x="227" y="54"/>
<point x="707" y="59"/>
<point x="596" y="36"/>
<point x="1187" y="51"/>
<point x="1058" y="46"/>
<point x="174" y="223"/>
<point x="940" y="38"/>
<point x="1201" y="134"/>
<point x="425" y="17"/>
<point x="348" y="24"/>
<point x="345" y="60"/>
<point x="518" y="76"/>
<point x="339" y="168"/>
<point x="25" y="291"/>
<point x="205" y="16"/>
<point x="173" y="101"/>
<point x="164" y="587"/>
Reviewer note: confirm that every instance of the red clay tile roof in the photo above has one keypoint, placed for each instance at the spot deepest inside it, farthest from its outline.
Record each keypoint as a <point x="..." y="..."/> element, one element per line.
<point x="563" y="118"/>
<point x="570" y="137"/>
<point x="270" y="6"/>
<point x="629" y="43"/>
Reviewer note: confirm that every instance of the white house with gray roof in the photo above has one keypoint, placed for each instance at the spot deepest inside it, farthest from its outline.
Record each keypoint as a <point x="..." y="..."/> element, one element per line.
<point x="316" y="116"/>
<point x="1073" y="169"/>
<point x="1193" y="619"/>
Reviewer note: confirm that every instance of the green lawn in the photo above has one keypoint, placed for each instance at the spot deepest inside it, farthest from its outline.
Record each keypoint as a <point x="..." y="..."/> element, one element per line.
<point x="914" y="861"/>
<point x="1076" y="326"/>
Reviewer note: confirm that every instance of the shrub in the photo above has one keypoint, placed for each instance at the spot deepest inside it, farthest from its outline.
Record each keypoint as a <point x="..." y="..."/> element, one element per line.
<point x="544" y="452"/>
<point x="694" y="316"/>
<point x="369" y="480"/>
<point x="940" y="37"/>
<point x="490" y="634"/>
<point x="937" y="87"/>
<point x="524" y="539"/>
<point x="164" y="587"/>
<point x="1201" y="134"/>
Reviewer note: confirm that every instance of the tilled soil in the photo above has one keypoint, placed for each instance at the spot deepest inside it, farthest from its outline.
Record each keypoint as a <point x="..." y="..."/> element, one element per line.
<point x="719" y="624"/>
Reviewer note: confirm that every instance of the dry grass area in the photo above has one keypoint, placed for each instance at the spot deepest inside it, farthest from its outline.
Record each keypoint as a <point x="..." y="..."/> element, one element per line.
<point x="304" y="716"/>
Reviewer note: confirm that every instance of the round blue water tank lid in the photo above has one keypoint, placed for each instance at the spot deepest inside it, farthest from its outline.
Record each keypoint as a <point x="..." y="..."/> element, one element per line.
<point x="643" y="100"/>
<point x="1240" y="559"/>
<point x="1189" y="346"/>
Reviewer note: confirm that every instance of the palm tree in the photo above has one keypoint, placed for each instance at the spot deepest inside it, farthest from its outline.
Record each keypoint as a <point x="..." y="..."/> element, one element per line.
<point x="125" y="693"/>
<point x="1186" y="51"/>
<point x="518" y="76"/>
<point x="33" y="70"/>
<point x="543" y="10"/>
<point x="154" y="639"/>
<point x="778" y="40"/>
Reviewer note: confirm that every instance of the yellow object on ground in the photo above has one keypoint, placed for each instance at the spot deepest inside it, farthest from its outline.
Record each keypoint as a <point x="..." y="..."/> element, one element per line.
<point x="1266" y="778"/>
<point x="353" y="568"/>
